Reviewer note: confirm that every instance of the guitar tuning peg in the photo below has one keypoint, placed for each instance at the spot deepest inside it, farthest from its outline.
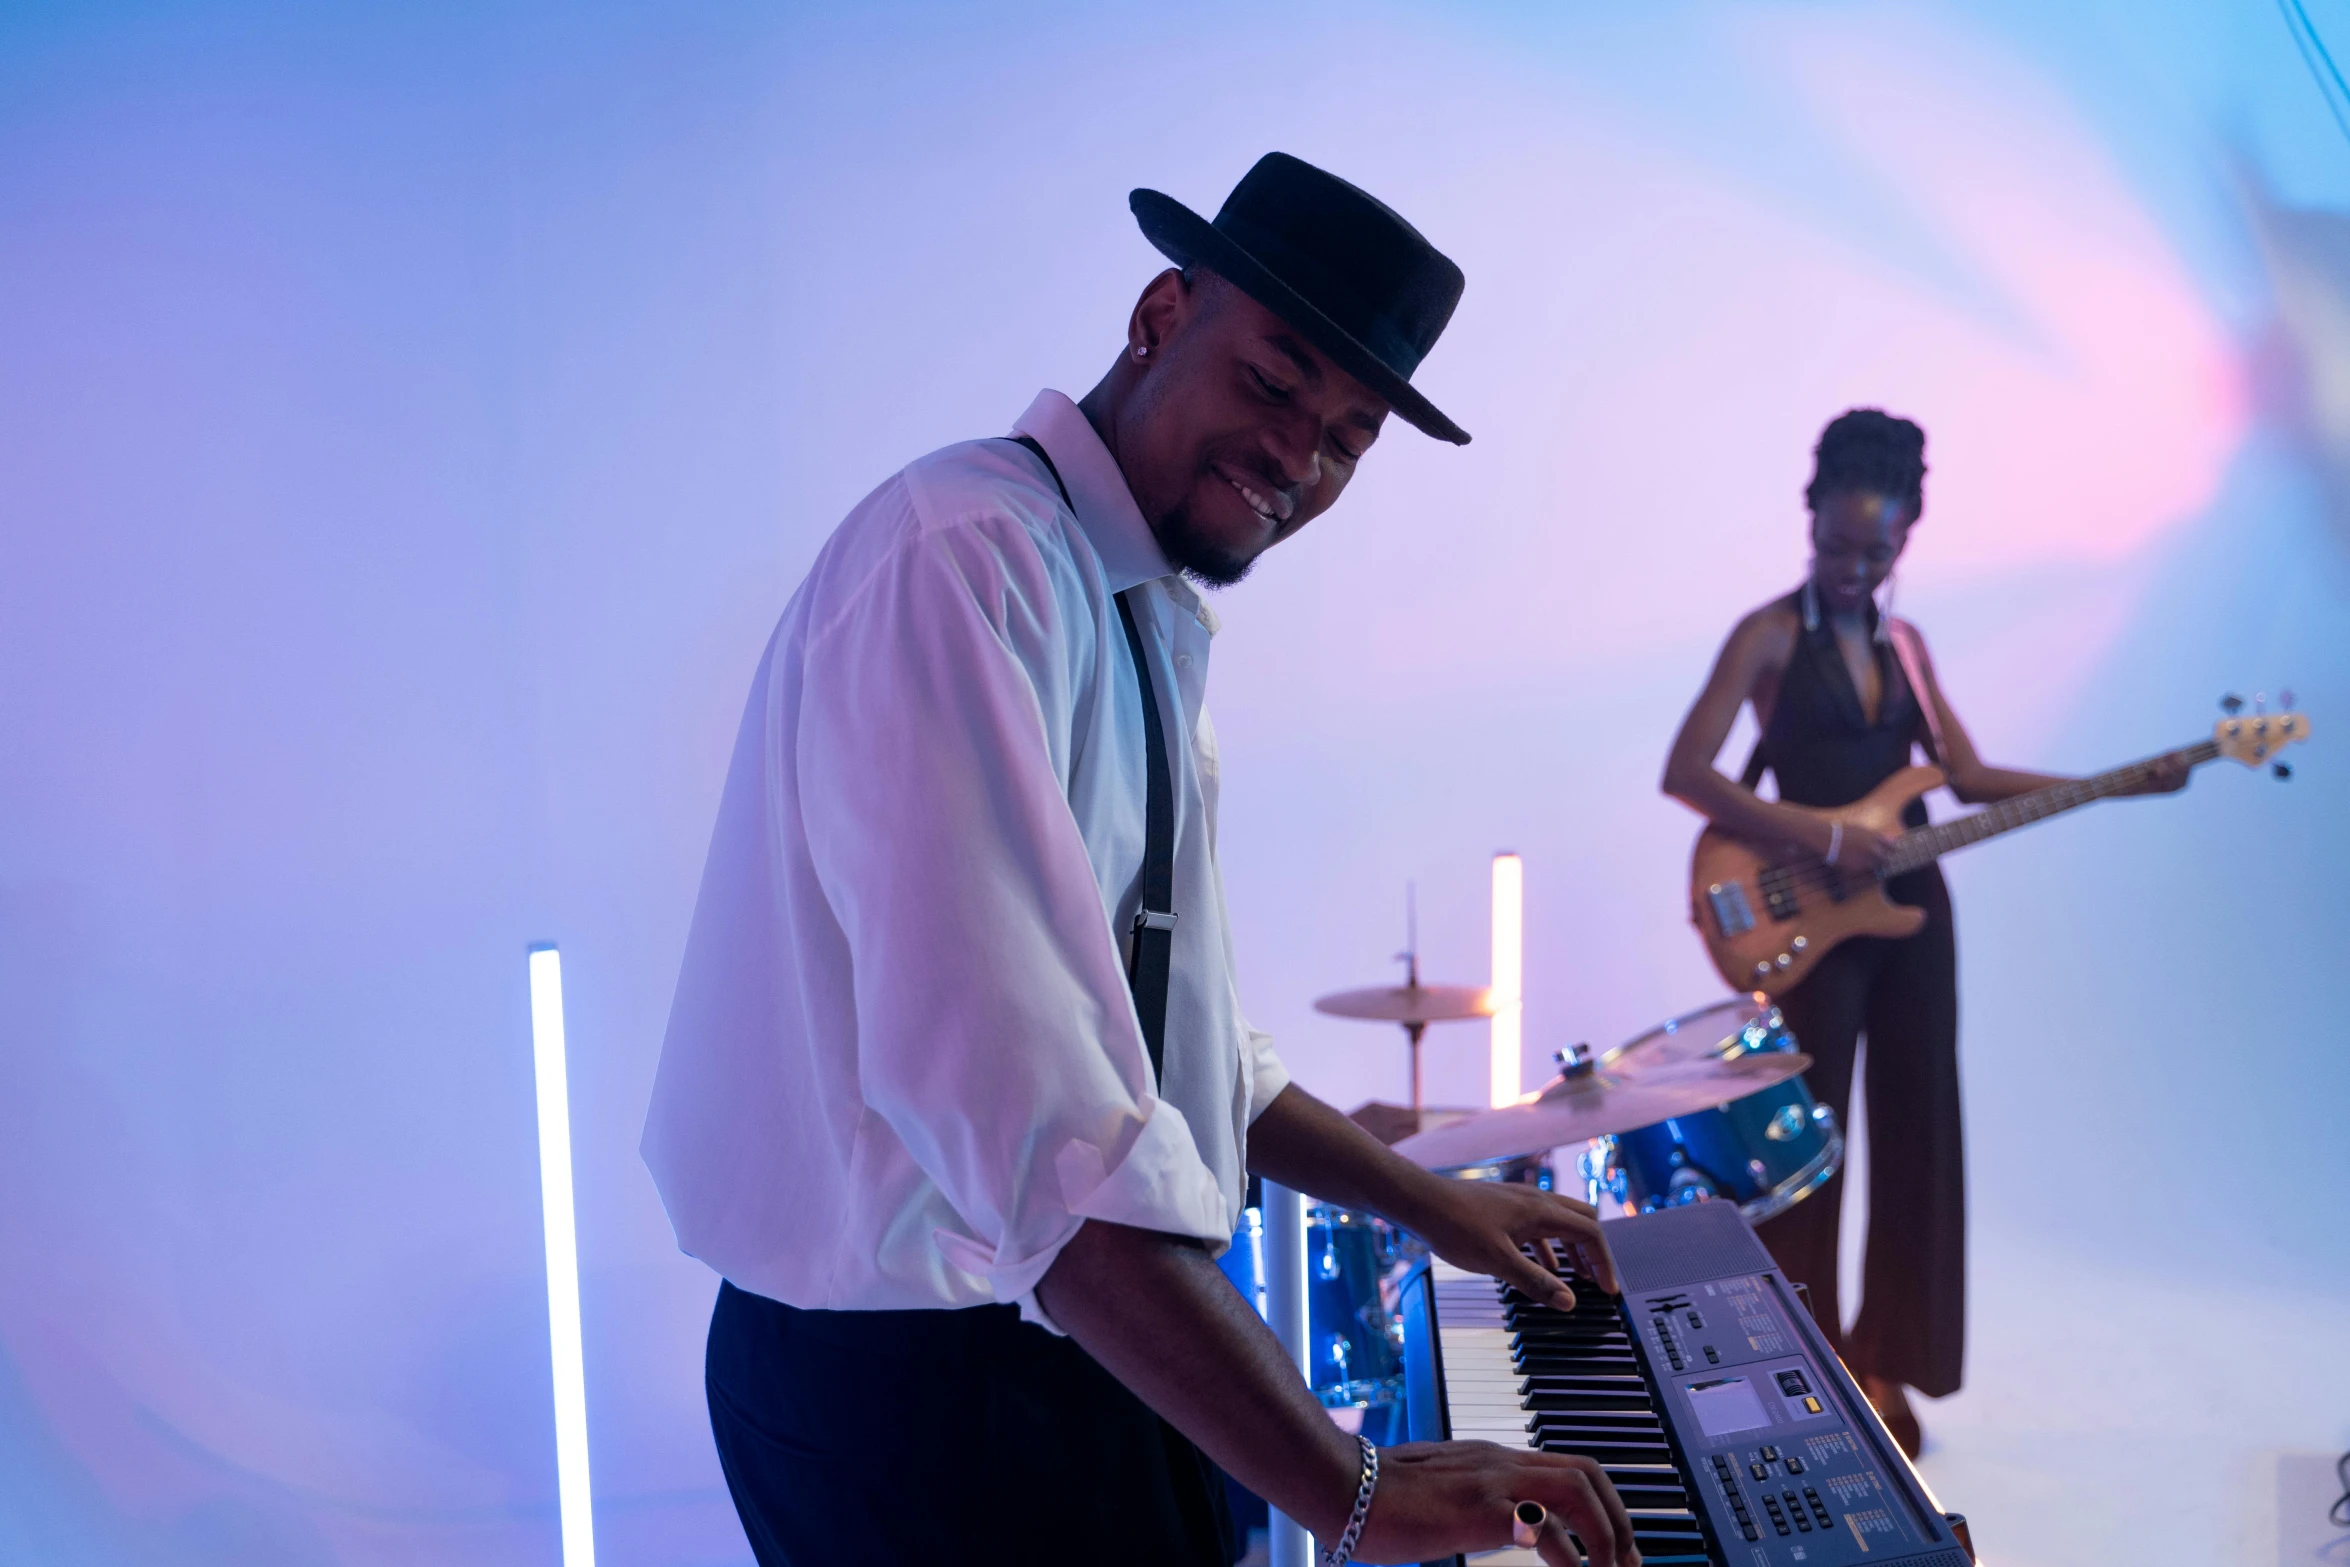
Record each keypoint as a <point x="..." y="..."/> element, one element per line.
<point x="2231" y="703"/>
<point x="2280" y="769"/>
<point x="2285" y="697"/>
<point x="2260" y="701"/>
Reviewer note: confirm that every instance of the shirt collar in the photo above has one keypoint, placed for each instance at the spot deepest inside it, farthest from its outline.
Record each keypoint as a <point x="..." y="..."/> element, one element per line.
<point x="1105" y="506"/>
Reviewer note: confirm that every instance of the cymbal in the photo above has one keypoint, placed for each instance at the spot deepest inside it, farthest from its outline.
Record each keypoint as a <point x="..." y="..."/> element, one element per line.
<point x="1409" y="1003"/>
<point x="1597" y="1104"/>
<point x="1391" y="1124"/>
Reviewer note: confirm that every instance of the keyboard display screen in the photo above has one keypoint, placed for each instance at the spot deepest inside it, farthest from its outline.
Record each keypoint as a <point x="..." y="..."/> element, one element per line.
<point x="1725" y="1406"/>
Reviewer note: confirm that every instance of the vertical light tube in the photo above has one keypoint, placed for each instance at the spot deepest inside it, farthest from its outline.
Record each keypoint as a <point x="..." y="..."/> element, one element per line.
<point x="1286" y="1290"/>
<point x="570" y="1364"/>
<point x="1509" y="978"/>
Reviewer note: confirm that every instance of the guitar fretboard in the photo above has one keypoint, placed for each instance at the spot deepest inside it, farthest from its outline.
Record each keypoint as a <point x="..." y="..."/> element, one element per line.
<point x="1923" y="845"/>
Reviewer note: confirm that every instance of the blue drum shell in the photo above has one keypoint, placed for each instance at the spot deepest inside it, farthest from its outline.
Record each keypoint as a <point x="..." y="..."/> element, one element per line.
<point x="1649" y="1156"/>
<point x="1345" y="1263"/>
<point x="1763" y="1152"/>
<point x="1348" y="1258"/>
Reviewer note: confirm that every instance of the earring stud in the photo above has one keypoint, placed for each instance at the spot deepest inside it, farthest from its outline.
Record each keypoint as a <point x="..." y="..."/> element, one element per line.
<point x="1142" y="350"/>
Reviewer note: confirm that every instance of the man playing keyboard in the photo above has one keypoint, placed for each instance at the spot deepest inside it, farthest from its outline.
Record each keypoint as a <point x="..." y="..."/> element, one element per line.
<point x="956" y="1092"/>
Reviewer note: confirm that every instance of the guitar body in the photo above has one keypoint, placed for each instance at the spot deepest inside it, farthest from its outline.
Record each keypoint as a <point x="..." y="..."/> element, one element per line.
<point x="1768" y="917"/>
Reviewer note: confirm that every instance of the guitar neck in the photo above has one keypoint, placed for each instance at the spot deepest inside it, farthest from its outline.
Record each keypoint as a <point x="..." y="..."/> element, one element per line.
<point x="1924" y="845"/>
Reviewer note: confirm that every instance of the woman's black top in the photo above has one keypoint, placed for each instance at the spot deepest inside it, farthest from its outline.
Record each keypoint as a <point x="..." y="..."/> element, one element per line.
<point x="1819" y="744"/>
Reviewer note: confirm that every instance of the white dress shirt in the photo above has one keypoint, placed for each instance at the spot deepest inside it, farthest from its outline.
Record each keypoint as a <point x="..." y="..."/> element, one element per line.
<point x="903" y="1065"/>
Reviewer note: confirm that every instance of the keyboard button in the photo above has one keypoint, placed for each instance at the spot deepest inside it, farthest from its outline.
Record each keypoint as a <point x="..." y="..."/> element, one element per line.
<point x="1794" y="1464"/>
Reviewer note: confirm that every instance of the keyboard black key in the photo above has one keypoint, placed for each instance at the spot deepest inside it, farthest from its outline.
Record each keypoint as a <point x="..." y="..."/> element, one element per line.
<point x="1608" y="1452"/>
<point x="1567" y="1386"/>
<point x="1542" y="1399"/>
<point x="1616" y="1422"/>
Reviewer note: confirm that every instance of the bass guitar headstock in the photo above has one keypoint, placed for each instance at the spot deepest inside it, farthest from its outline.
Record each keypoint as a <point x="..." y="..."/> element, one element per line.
<point x="2256" y="738"/>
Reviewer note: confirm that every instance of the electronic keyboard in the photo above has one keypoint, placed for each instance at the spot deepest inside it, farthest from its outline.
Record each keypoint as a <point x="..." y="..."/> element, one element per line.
<point x="1734" y="1434"/>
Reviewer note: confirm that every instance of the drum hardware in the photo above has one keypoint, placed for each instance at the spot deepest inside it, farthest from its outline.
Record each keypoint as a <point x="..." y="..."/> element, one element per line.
<point x="1411" y="1003"/>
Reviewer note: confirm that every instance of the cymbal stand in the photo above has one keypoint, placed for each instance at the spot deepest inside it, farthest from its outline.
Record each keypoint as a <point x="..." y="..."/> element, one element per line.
<point x="1411" y="960"/>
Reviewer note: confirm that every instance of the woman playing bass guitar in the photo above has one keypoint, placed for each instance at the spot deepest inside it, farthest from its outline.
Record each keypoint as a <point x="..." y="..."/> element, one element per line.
<point x="1838" y="716"/>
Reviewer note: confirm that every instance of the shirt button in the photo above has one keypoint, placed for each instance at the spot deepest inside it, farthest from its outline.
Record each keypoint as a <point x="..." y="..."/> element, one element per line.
<point x="1183" y="661"/>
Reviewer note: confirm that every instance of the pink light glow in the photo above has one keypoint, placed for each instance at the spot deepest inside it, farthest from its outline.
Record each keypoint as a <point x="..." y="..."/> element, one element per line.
<point x="1647" y="364"/>
<point x="2114" y="420"/>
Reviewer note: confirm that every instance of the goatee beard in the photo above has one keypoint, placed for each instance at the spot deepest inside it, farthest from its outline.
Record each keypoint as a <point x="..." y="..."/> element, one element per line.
<point x="1197" y="558"/>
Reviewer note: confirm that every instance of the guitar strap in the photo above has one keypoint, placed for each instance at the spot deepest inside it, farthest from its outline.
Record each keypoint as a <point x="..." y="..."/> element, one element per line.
<point x="1910" y="650"/>
<point x="1150" y="959"/>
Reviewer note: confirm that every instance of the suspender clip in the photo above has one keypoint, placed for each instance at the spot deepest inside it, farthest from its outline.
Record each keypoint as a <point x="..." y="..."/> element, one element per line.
<point x="1153" y="919"/>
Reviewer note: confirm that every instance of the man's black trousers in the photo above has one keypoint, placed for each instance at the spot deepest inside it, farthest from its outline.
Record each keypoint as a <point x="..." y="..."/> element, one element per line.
<point x="945" y="1437"/>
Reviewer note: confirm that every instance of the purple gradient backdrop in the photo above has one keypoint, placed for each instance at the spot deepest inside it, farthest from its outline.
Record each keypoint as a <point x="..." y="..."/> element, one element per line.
<point x="411" y="425"/>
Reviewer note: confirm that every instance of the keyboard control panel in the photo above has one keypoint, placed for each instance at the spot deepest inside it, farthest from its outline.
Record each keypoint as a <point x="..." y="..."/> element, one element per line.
<point x="1735" y="1436"/>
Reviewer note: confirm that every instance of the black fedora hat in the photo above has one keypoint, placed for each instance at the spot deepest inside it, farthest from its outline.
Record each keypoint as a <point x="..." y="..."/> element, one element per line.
<point x="1331" y="260"/>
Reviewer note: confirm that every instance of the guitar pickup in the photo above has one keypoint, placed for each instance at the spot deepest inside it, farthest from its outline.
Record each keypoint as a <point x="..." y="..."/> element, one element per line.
<point x="1732" y="914"/>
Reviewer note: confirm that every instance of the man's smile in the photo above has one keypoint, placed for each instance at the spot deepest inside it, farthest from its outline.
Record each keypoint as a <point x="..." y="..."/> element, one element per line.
<point x="1273" y="504"/>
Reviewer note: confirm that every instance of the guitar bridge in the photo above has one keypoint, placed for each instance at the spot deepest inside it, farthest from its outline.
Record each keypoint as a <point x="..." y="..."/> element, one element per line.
<point x="1732" y="914"/>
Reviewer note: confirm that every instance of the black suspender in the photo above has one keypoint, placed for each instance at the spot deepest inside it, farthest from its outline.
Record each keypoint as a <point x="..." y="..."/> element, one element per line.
<point x="1152" y="956"/>
<point x="1147" y="966"/>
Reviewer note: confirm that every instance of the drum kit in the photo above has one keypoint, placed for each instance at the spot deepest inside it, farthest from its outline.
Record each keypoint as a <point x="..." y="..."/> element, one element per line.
<point x="1706" y="1106"/>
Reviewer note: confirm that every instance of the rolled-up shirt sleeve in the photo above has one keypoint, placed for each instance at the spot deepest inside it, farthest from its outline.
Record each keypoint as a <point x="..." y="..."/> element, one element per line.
<point x="1267" y="1076"/>
<point x="995" y="1031"/>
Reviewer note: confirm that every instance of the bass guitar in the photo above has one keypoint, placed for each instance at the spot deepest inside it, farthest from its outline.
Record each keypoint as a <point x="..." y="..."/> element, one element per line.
<point x="1767" y="916"/>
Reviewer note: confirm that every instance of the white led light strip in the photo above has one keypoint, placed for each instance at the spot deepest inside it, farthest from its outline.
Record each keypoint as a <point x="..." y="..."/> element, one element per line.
<point x="1509" y="978"/>
<point x="554" y="1093"/>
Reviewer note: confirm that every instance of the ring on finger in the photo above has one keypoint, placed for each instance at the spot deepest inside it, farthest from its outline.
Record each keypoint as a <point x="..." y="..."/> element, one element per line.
<point x="1526" y="1521"/>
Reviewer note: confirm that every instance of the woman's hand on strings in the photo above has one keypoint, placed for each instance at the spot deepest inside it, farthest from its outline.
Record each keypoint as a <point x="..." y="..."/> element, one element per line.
<point x="1853" y="849"/>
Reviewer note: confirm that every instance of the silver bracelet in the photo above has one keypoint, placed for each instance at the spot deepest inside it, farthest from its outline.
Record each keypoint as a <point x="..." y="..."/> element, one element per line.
<point x="1835" y="840"/>
<point x="1343" y="1552"/>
